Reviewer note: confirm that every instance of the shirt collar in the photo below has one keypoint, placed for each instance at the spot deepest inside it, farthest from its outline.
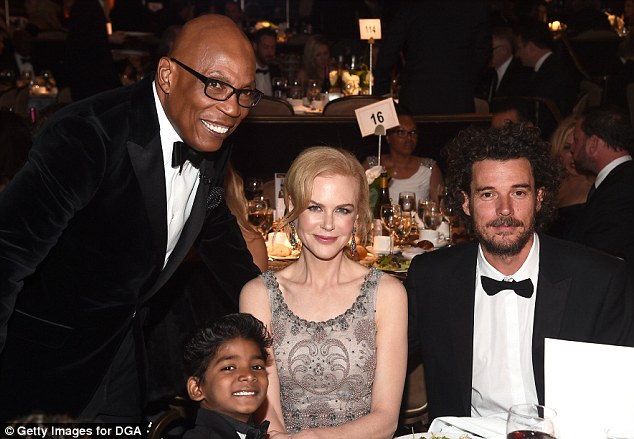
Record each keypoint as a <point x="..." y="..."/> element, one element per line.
<point x="541" y="60"/>
<point x="167" y="132"/>
<point x="603" y="173"/>
<point x="529" y="268"/>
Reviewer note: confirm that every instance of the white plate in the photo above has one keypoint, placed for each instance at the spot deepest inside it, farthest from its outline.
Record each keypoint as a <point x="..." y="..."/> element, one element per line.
<point x="370" y="249"/>
<point x="437" y="435"/>
<point x="284" y="258"/>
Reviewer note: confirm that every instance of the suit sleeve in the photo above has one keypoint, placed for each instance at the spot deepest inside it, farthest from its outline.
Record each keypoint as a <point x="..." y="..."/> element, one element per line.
<point x="222" y="248"/>
<point x="414" y="347"/>
<point x="61" y="175"/>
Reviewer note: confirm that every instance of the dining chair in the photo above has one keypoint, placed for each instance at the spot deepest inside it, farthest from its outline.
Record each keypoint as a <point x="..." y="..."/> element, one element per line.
<point x="414" y="408"/>
<point x="346" y="105"/>
<point x="22" y="101"/>
<point x="7" y="98"/>
<point x="271" y="106"/>
<point x="179" y="417"/>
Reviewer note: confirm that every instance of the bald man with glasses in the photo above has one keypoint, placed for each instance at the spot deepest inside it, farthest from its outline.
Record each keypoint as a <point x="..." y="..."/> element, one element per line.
<point x="115" y="193"/>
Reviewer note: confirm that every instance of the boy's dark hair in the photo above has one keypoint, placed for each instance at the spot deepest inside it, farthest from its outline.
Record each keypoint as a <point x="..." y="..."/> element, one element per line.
<point x="204" y="345"/>
<point x="513" y="141"/>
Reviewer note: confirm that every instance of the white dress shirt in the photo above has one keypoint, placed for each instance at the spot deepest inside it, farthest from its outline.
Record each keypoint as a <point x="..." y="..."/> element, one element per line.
<point x="502" y="340"/>
<point x="180" y="187"/>
<point x="502" y="70"/>
<point x="603" y="173"/>
<point x="263" y="80"/>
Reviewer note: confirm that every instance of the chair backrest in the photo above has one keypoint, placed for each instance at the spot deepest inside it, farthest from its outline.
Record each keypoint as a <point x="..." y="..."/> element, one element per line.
<point x="180" y="415"/>
<point x="481" y="106"/>
<point x="414" y="407"/>
<point x="271" y="106"/>
<point x="346" y="105"/>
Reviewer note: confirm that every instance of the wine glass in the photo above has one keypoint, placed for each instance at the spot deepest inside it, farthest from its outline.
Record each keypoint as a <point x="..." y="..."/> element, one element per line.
<point x="253" y="188"/>
<point x="313" y="90"/>
<point x="407" y="201"/>
<point x="256" y="212"/>
<point x="389" y="218"/>
<point x="267" y="224"/>
<point x="531" y="421"/>
<point x="403" y="226"/>
<point x="450" y="214"/>
<point x="422" y="205"/>
<point x="280" y="87"/>
<point x="432" y="216"/>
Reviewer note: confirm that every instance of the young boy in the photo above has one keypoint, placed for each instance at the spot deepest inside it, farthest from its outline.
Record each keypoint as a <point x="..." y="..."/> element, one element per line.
<point x="226" y="365"/>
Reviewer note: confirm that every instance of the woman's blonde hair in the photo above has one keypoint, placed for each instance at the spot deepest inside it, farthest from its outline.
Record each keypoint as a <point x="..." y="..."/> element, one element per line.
<point x="320" y="161"/>
<point x="310" y="49"/>
<point x="236" y="200"/>
<point x="558" y="139"/>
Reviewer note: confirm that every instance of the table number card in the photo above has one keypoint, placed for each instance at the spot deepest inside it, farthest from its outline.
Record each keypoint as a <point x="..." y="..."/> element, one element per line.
<point x="380" y="113"/>
<point x="370" y="28"/>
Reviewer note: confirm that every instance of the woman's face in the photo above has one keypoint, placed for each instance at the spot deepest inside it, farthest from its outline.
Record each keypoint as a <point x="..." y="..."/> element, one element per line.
<point x="326" y="225"/>
<point x="403" y="139"/>
<point x="322" y="57"/>
<point x="566" y="156"/>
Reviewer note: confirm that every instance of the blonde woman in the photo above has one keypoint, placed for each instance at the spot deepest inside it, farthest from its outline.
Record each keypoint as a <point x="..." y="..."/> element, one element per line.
<point x="575" y="186"/>
<point x="315" y="62"/>
<point x="237" y="204"/>
<point x="339" y="328"/>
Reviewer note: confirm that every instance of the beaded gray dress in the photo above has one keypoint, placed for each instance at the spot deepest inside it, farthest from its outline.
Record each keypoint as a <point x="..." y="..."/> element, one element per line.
<point x="326" y="369"/>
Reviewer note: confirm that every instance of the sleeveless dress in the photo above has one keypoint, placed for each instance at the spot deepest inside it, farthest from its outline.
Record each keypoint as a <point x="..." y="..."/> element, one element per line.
<point x="417" y="183"/>
<point x="326" y="369"/>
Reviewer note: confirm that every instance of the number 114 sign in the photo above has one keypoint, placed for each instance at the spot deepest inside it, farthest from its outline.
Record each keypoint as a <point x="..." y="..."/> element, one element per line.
<point x="380" y="113"/>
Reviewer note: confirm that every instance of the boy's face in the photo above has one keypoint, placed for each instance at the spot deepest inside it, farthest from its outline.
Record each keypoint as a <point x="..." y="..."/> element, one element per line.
<point x="235" y="381"/>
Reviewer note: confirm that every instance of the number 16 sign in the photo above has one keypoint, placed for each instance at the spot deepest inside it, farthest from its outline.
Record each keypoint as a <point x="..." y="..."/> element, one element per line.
<point x="380" y="113"/>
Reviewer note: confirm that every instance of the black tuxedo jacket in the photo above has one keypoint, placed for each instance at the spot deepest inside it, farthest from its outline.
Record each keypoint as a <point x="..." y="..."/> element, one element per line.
<point x="515" y="80"/>
<point x="83" y="233"/>
<point x="211" y="425"/>
<point x="582" y="295"/>
<point x="607" y="221"/>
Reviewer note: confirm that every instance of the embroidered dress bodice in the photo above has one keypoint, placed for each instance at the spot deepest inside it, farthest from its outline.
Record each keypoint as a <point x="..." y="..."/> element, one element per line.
<point x="326" y="369"/>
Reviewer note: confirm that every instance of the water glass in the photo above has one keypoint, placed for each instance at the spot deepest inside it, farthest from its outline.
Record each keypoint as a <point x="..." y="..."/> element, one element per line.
<point x="253" y="188"/>
<point x="531" y="421"/>
<point x="432" y="216"/>
<point x="280" y="87"/>
<point x="389" y="218"/>
<point x="257" y="212"/>
<point x="407" y="200"/>
<point x="296" y="90"/>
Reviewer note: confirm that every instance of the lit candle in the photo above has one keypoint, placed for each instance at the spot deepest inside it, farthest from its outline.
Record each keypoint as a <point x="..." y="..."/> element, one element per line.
<point x="555" y="26"/>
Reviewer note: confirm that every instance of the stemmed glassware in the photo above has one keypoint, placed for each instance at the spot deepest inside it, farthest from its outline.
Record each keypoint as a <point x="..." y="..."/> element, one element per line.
<point x="531" y="421"/>
<point x="450" y="214"/>
<point x="256" y="213"/>
<point x="403" y="227"/>
<point x="432" y="216"/>
<point x="389" y="218"/>
<point x="253" y="188"/>
<point x="407" y="201"/>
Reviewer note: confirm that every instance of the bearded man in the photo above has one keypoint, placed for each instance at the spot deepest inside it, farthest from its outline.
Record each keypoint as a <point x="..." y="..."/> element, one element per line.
<point x="480" y="311"/>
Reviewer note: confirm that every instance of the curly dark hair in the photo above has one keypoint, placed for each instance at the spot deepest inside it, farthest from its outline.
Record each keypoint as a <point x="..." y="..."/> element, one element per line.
<point x="513" y="141"/>
<point x="204" y="345"/>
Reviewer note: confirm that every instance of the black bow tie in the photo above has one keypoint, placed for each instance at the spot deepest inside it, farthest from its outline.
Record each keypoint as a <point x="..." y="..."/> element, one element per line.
<point x="258" y="432"/>
<point x="522" y="288"/>
<point x="182" y="152"/>
<point x="263" y="71"/>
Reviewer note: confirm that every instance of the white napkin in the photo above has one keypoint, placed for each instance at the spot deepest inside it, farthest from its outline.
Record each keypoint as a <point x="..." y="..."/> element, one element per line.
<point x="591" y="386"/>
<point x="489" y="428"/>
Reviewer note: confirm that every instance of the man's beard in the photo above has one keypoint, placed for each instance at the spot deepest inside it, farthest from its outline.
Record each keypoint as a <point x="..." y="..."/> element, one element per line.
<point x="505" y="248"/>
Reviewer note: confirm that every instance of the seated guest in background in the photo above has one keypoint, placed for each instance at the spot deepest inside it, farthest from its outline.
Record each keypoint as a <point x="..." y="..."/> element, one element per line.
<point x="573" y="191"/>
<point x="513" y="286"/>
<point x="264" y="45"/>
<point x="339" y="328"/>
<point x="226" y="365"/>
<point x="511" y="110"/>
<point x="409" y="173"/>
<point x="116" y="191"/>
<point x="509" y="77"/>
<point x="602" y="144"/>
<point x="550" y="78"/>
<point x="315" y="62"/>
<point x="15" y="144"/>
<point x="237" y="204"/>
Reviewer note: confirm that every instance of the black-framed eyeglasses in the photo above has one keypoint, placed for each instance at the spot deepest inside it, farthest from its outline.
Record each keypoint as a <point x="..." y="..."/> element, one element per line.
<point x="221" y="91"/>
<point x="400" y="132"/>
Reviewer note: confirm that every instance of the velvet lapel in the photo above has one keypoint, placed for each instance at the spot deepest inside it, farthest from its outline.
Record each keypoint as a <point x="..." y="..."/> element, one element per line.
<point x="552" y="293"/>
<point x="460" y="302"/>
<point x="146" y="155"/>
